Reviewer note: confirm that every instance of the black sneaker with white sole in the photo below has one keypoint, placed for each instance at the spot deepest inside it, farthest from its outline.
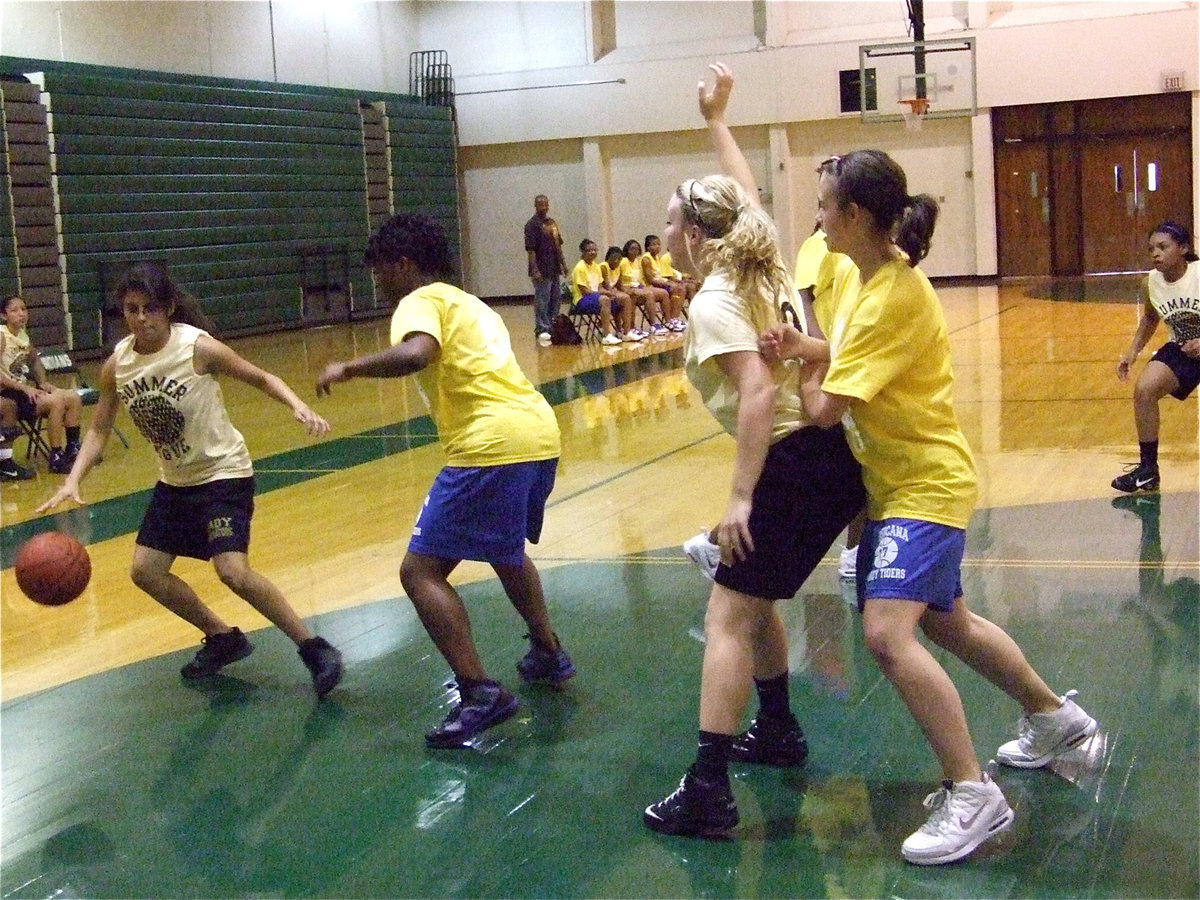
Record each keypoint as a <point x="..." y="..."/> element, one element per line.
<point x="698" y="808"/>
<point x="1137" y="478"/>
<point x="10" y="471"/>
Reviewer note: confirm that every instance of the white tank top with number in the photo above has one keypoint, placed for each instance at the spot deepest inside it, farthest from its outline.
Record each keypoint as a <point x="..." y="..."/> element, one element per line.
<point x="180" y="412"/>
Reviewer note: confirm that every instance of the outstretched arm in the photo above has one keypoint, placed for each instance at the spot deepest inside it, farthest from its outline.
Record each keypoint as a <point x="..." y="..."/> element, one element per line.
<point x="93" y="442"/>
<point x="713" y="102"/>
<point x="211" y="357"/>
<point x="824" y="409"/>
<point x="414" y="353"/>
<point x="788" y="342"/>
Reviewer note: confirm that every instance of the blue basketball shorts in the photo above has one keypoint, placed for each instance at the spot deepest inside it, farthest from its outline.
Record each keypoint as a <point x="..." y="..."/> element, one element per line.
<point x="199" y="521"/>
<point x="908" y="559"/>
<point x="484" y="513"/>
<point x="589" y="304"/>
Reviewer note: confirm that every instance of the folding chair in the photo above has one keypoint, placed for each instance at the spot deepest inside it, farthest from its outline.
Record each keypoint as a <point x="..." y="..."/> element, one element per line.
<point x="32" y="428"/>
<point x="57" y="362"/>
<point x="587" y="324"/>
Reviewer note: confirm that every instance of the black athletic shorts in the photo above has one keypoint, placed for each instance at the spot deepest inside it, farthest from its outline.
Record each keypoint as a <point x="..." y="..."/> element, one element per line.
<point x="809" y="490"/>
<point x="201" y="521"/>
<point x="26" y="408"/>
<point x="1185" y="368"/>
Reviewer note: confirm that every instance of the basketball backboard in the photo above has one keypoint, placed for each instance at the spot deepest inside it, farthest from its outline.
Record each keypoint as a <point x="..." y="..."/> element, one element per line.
<point x="941" y="72"/>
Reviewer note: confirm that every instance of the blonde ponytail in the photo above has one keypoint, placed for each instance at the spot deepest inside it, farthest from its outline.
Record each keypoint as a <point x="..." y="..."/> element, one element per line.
<point x="741" y="242"/>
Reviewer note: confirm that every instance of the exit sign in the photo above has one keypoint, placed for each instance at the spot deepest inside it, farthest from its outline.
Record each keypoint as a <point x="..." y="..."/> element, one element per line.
<point x="1172" y="81"/>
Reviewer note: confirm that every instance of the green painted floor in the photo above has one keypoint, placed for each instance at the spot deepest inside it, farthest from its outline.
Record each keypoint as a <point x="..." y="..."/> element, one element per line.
<point x="135" y="784"/>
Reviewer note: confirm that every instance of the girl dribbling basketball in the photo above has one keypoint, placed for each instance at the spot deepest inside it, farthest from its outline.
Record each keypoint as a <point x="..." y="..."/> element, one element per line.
<point x="165" y="373"/>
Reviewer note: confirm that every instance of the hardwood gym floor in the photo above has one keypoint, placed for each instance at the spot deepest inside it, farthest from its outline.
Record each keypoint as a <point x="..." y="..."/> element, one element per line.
<point x="120" y="780"/>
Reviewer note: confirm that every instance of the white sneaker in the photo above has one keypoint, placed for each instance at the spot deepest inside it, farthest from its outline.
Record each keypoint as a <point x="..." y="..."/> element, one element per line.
<point x="610" y="340"/>
<point x="1044" y="736"/>
<point x="962" y="816"/>
<point x="543" y="338"/>
<point x="847" y="562"/>
<point x="704" y="553"/>
<point x="658" y="330"/>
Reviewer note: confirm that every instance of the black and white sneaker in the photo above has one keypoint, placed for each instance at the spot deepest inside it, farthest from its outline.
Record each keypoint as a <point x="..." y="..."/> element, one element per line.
<point x="1137" y="477"/>
<point x="10" y="471"/>
<point x="698" y="808"/>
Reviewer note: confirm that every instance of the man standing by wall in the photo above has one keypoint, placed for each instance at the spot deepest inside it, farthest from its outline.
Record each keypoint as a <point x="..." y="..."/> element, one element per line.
<point x="543" y="246"/>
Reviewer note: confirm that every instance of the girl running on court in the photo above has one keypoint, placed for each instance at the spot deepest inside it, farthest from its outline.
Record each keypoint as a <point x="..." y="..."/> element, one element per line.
<point x="165" y="374"/>
<point x="889" y="381"/>
<point x="1172" y="296"/>
<point x="794" y="487"/>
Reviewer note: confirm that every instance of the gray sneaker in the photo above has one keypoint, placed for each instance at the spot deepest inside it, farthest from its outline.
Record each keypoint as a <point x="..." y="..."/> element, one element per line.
<point x="1044" y="736"/>
<point x="486" y="704"/>
<point x="324" y="661"/>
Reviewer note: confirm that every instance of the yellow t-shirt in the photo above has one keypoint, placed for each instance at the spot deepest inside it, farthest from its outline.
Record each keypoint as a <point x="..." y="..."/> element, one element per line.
<point x="611" y="275"/>
<point x="829" y="275"/>
<point x="667" y="267"/>
<point x="893" y="360"/>
<point x="587" y="274"/>
<point x="486" y="411"/>
<point x="629" y="276"/>
<point x="719" y="322"/>
<point x="655" y="264"/>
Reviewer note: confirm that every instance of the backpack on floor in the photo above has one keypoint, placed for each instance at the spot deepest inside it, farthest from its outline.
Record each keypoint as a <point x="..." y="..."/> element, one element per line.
<point x="563" y="331"/>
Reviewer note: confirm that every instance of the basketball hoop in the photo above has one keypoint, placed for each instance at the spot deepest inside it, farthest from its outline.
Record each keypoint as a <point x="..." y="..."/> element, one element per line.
<point x="915" y="110"/>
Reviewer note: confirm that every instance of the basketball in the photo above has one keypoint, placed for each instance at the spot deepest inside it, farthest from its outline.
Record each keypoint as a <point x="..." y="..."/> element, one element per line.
<point x="53" y="568"/>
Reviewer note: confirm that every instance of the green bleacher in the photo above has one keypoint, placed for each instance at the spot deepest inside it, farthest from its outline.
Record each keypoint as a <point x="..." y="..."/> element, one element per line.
<point x="8" y="257"/>
<point x="229" y="182"/>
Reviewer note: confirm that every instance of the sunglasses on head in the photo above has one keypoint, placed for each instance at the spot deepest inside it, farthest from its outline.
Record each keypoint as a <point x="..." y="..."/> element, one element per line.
<point x="832" y="165"/>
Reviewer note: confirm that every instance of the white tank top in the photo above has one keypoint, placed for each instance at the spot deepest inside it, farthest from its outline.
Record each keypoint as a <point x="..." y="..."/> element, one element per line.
<point x="15" y="360"/>
<point x="1177" y="302"/>
<point x="180" y="412"/>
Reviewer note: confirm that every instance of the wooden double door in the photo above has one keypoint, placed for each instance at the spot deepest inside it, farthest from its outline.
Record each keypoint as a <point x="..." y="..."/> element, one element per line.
<point x="1079" y="186"/>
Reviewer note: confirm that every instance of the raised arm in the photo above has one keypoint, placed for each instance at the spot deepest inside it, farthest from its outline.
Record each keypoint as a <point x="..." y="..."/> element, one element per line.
<point x="713" y="102"/>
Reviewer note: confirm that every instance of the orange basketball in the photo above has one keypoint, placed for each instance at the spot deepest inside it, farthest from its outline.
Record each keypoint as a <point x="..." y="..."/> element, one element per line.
<point x="53" y="568"/>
